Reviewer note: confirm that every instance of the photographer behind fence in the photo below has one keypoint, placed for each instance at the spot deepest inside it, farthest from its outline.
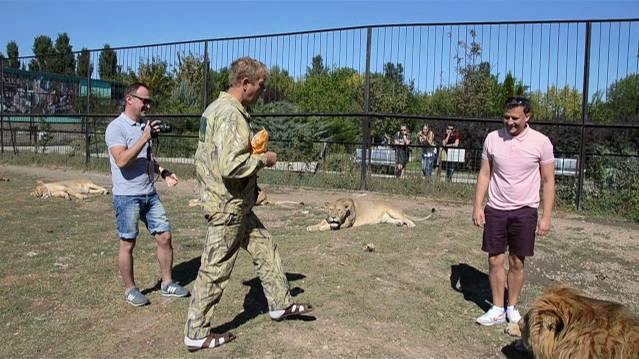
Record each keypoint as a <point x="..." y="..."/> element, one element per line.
<point x="133" y="174"/>
<point x="426" y="139"/>
<point x="402" y="151"/>
<point x="451" y="138"/>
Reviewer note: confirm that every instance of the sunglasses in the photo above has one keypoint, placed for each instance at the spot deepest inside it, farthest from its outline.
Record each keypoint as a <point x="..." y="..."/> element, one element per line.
<point x="451" y="128"/>
<point x="146" y="101"/>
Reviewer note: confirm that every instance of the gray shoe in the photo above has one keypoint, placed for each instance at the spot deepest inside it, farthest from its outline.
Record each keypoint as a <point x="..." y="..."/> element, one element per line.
<point x="173" y="289"/>
<point x="136" y="298"/>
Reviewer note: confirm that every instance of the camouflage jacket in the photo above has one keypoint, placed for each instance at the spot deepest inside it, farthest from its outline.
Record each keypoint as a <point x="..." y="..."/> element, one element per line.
<point x="225" y="169"/>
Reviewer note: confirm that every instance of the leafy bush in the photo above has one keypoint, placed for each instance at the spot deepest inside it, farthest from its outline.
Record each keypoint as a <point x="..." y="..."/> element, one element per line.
<point x="613" y="187"/>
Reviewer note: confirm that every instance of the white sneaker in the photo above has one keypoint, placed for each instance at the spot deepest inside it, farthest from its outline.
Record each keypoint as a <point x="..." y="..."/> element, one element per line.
<point x="493" y="316"/>
<point x="513" y="315"/>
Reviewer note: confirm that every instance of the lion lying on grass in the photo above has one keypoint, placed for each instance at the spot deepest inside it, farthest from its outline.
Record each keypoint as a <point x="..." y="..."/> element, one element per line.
<point x="78" y="189"/>
<point x="262" y="200"/>
<point x="347" y="212"/>
<point x="564" y="323"/>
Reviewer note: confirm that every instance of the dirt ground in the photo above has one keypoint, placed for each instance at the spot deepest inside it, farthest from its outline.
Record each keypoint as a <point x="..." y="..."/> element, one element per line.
<point x="415" y="296"/>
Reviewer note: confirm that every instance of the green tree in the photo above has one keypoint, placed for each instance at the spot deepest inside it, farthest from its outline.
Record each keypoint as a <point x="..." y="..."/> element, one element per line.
<point x="293" y="137"/>
<point x="508" y="86"/>
<point x="557" y="104"/>
<point x="394" y="73"/>
<point x="64" y="60"/>
<point x="186" y="94"/>
<point x="279" y="85"/>
<point x="317" y="67"/>
<point x="622" y="100"/>
<point x="44" y="54"/>
<point x="389" y="94"/>
<point x="108" y="63"/>
<point x="85" y="67"/>
<point x="13" y="54"/>
<point x="338" y="90"/>
<point x="220" y="82"/>
<point x="155" y="75"/>
<point x="442" y="102"/>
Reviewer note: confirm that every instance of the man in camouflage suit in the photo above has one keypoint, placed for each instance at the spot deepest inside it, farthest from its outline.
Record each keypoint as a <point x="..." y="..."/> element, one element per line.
<point x="227" y="181"/>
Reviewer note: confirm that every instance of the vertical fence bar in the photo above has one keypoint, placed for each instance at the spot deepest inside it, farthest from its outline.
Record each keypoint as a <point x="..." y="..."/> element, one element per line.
<point x="366" y="122"/>
<point x="584" y="119"/>
<point x="205" y="88"/>
<point x="1" y="106"/>
<point x="87" y="144"/>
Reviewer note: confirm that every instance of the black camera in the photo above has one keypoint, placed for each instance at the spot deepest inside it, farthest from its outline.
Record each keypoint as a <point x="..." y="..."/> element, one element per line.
<point x="161" y="128"/>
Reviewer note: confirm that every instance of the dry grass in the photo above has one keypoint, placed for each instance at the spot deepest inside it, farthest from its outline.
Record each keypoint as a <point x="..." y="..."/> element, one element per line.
<point x="62" y="294"/>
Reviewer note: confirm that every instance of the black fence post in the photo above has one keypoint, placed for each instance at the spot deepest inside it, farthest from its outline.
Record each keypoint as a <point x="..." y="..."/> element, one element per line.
<point x="87" y="138"/>
<point x="1" y="106"/>
<point x="366" y="122"/>
<point x="205" y="88"/>
<point x="584" y="119"/>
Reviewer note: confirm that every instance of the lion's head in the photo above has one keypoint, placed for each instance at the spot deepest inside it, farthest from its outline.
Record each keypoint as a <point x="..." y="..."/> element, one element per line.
<point x="564" y="323"/>
<point x="340" y="213"/>
<point x="40" y="190"/>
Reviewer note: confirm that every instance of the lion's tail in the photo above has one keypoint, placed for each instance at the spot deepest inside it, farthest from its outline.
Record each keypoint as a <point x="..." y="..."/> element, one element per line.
<point x="418" y="219"/>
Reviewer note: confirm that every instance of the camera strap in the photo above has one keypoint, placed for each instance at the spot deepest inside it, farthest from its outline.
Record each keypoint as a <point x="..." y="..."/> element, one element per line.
<point x="150" y="163"/>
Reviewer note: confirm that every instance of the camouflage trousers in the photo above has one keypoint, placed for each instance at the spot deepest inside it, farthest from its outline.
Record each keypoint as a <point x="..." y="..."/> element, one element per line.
<point x="220" y="251"/>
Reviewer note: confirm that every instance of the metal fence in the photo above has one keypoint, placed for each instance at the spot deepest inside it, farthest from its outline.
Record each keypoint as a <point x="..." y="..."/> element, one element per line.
<point x="331" y="92"/>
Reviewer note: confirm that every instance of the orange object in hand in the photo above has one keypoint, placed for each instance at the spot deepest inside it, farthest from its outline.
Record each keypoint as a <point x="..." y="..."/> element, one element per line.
<point x="259" y="142"/>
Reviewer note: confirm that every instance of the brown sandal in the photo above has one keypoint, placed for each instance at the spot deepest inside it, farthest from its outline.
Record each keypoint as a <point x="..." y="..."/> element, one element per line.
<point x="295" y="309"/>
<point x="214" y="340"/>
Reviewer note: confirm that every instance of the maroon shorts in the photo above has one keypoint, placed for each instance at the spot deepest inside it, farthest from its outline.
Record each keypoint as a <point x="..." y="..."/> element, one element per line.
<point x="513" y="230"/>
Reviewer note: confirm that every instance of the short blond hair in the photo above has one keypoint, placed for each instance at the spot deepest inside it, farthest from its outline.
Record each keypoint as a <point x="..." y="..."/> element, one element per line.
<point x="245" y="67"/>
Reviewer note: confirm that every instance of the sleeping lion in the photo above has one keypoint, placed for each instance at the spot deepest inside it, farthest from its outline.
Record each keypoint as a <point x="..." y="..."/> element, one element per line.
<point x="347" y="212"/>
<point x="78" y="189"/>
<point x="563" y="323"/>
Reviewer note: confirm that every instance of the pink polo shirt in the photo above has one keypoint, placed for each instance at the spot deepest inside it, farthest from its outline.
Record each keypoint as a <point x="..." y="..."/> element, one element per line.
<point x="516" y="164"/>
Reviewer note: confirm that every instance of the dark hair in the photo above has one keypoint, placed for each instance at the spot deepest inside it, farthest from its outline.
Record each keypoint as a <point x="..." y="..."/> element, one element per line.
<point x="133" y="88"/>
<point x="516" y="101"/>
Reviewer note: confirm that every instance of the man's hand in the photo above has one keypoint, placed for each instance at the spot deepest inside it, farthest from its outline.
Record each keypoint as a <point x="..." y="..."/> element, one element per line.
<point x="171" y="180"/>
<point x="478" y="217"/>
<point x="149" y="129"/>
<point x="543" y="226"/>
<point x="271" y="158"/>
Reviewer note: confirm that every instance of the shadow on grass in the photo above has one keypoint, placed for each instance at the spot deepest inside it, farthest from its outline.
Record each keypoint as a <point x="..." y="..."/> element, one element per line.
<point x="473" y="284"/>
<point x="255" y="304"/>
<point x="513" y="351"/>
<point x="183" y="273"/>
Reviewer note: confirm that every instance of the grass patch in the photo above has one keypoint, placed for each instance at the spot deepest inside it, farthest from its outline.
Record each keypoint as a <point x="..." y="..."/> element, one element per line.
<point x="60" y="283"/>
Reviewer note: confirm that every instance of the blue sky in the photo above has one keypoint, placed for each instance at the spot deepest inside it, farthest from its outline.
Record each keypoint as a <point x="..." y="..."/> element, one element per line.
<point x="92" y="23"/>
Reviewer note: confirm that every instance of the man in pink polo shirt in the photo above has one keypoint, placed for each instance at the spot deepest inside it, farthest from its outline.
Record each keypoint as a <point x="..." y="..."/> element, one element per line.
<point x="515" y="161"/>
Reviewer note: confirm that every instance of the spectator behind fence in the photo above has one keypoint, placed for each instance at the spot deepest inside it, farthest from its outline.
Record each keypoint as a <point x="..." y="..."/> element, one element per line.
<point x="226" y="173"/>
<point x="426" y="138"/>
<point x="133" y="172"/>
<point x="452" y="138"/>
<point x="401" y="142"/>
<point x="515" y="161"/>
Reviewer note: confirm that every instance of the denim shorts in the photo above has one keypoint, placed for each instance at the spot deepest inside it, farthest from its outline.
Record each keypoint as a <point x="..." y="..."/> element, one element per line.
<point x="148" y="208"/>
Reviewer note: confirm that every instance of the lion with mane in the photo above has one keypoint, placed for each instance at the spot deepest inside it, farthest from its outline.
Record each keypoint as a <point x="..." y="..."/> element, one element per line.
<point x="563" y="323"/>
